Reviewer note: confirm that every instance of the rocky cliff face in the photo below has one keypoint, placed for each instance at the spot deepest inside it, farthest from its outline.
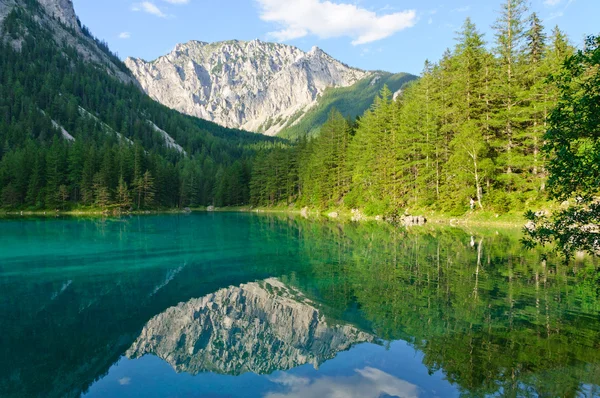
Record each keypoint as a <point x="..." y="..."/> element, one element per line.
<point x="257" y="327"/>
<point x="5" y="7"/>
<point x="58" y="20"/>
<point x="254" y="85"/>
<point x="63" y="11"/>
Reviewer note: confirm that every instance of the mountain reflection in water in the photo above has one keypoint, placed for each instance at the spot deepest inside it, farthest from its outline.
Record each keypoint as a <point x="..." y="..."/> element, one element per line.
<point x="240" y="305"/>
<point x="257" y="327"/>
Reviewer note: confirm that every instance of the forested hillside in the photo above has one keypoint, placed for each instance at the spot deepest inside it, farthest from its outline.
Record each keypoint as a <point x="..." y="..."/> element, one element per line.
<point x="72" y="134"/>
<point x="469" y="133"/>
<point x="349" y="101"/>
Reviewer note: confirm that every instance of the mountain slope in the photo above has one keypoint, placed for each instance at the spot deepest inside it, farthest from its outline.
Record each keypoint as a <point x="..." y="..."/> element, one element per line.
<point x="350" y="101"/>
<point x="75" y="130"/>
<point x="254" y="85"/>
<point x="58" y="20"/>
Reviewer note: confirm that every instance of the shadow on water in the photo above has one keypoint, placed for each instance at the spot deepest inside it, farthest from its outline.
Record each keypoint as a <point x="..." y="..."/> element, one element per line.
<point x="236" y="293"/>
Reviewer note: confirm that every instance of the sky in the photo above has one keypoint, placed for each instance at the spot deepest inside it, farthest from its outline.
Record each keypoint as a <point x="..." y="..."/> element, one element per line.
<point x="389" y="35"/>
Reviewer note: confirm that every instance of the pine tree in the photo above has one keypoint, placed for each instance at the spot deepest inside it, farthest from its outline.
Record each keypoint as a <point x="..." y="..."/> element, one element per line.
<point x="63" y="195"/>
<point x="148" y="189"/>
<point x="123" y="195"/>
<point x="537" y="97"/>
<point x="469" y="147"/>
<point x="55" y="169"/>
<point x="510" y="40"/>
<point x="101" y="192"/>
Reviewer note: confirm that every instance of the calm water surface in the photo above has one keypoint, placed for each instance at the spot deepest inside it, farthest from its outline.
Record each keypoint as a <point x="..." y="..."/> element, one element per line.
<point x="240" y="305"/>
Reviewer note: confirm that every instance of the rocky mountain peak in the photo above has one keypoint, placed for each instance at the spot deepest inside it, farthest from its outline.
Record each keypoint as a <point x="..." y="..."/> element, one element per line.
<point x="253" y="85"/>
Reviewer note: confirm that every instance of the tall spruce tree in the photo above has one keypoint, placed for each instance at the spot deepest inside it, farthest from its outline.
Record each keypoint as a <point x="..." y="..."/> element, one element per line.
<point x="510" y="30"/>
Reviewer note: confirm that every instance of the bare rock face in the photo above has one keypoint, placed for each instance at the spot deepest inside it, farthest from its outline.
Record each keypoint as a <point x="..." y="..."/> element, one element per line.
<point x="63" y="11"/>
<point x="257" y="327"/>
<point x="256" y="86"/>
<point x="58" y="19"/>
<point x="5" y="7"/>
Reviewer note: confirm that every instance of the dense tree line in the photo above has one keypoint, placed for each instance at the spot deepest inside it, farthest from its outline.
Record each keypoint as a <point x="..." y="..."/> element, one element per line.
<point x="71" y="134"/>
<point x="468" y="133"/>
<point x="349" y="101"/>
<point x="572" y="143"/>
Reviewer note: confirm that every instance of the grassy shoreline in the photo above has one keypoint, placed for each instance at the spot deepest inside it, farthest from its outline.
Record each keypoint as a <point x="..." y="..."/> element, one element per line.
<point x="84" y="213"/>
<point x="477" y="218"/>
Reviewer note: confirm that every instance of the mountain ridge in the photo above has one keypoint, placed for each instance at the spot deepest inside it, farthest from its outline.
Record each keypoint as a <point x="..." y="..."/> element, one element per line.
<point x="253" y="85"/>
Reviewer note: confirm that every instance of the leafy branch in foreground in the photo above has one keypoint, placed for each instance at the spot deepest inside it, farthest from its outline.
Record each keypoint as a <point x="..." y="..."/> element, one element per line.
<point x="573" y="147"/>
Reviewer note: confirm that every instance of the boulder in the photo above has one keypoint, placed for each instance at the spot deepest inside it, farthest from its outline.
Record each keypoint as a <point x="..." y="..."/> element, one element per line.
<point x="358" y="216"/>
<point x="530" y="226"/>
<point x="304" y="212"/>
<point x="210" y="208"/>
<point x="333" y="214"/>
<point x="410" y="221"/>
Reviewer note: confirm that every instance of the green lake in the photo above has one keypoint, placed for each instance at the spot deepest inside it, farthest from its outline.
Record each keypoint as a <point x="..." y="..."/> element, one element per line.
<point x="246" y="305"/>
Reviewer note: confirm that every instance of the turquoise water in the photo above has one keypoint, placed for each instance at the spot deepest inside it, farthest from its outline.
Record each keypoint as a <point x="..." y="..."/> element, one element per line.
<point x="242" y="305"/>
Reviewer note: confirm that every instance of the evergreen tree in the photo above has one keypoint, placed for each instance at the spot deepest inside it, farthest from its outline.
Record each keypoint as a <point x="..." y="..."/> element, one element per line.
<point x="123" y="195"/>
<point x="510" y="46"/>
<point x="573" y="145"/>
<point x="148" y="189"/>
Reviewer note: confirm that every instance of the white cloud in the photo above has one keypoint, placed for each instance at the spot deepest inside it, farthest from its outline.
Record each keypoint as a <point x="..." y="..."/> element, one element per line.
<point x="561" y="12"/>
<point x="177" y="1"/>
<point x="365" y="383"/>
<point x="124" y="35"/>
<point x="325" y="19"/>
<point x="125" y="381"/>
<point x="554" y="15"/>
<point x="150" y="8"/>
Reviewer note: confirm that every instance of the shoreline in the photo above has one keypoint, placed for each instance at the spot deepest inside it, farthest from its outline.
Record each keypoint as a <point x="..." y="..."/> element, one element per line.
<point x="85" y="213"/>
<point x="471" y="219"/>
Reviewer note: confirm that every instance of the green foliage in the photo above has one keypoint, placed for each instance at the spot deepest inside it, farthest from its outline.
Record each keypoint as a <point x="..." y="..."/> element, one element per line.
<point x="466" y="136"/>
<point x="45" y="87"/>
<point x="349" y="101"/>
<point x="573" y="146"/>
<point x="495" y="320"/>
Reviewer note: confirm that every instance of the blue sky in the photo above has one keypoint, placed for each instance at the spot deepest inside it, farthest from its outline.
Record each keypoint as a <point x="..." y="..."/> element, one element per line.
<point x="391" y="35"/>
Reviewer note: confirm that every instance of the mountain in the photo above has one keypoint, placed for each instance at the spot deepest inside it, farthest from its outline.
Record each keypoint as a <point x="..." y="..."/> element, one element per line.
<point x="257" y="86"/>
<point x="350" y="101"/>
<point x="258" y="327"/>
<point x="76" y="129"/>
<point x="57" y="18"/>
